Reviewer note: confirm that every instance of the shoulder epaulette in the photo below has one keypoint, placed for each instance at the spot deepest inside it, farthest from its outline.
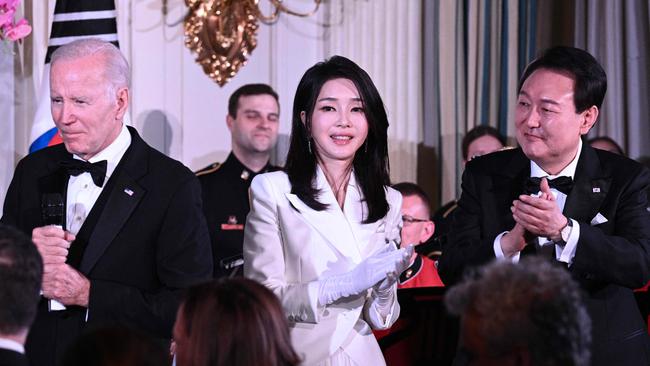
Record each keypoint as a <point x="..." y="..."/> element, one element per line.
<point x="208" y="169"/>
<point x="449" y="210"/>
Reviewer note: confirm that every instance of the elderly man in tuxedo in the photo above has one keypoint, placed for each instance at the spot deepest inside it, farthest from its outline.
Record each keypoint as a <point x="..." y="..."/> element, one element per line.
<point x="131" y="234"/>
<point x="562" y="199"/>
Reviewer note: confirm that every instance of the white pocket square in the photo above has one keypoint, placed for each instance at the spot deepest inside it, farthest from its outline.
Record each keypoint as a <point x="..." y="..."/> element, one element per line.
<point x="598" y="219"/>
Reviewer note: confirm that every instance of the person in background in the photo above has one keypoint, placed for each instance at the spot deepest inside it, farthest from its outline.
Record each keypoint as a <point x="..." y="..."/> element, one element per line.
<point x="478" y="141"/>
<point x="233" y="321"/>
<point x="253" y="120"/>
<point x="21" y="271"/>
<point x="115" y="346"/>
<point x="323" y="234"/>
<point x="564" y="200"/>
<point x="531" y="313"/>
<point x="119" y="225"/>
<point x="607" y="144"/>
<point x="417" y="228"/>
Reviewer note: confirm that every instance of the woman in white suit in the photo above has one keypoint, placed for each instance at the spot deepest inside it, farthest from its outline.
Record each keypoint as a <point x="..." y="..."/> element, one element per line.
<point x="323" y="236"/>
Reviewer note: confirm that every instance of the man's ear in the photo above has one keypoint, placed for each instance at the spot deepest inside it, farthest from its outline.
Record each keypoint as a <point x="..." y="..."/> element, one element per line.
<point x="427" y="231"/>
<point x="229" y="121"/>
<point x="589" y="117"/>
<point x="122" y="103"/>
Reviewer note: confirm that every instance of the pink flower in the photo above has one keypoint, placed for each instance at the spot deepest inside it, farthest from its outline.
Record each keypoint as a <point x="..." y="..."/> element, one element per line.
<point x="10" y="4"/>
<point x="6" y="15"/>
<point x="17" y="31"/>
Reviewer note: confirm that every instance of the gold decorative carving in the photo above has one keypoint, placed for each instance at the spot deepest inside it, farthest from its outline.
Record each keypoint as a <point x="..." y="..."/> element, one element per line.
<point x="223" y="33"/>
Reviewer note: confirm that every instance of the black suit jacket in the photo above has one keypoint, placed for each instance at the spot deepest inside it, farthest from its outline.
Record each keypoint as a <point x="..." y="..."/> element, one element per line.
<point x="12" y="358"/>
<point x="149" y="242"/>
<point x="611" y="258"/>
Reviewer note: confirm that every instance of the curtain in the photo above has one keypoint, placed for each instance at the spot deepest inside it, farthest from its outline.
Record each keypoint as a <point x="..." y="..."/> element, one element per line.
<point x="476" y="50"/>
<point x="617" y="33"/>
<point x="385" y="38"/>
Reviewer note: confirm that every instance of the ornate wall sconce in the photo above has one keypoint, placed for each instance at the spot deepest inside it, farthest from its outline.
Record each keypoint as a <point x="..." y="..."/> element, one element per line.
<point x="223" y="33"/>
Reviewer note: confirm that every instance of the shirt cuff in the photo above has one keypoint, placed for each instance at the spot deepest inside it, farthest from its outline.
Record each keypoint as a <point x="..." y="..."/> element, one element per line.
<point x="498" y="252"/>
<point x="569" y="250"/>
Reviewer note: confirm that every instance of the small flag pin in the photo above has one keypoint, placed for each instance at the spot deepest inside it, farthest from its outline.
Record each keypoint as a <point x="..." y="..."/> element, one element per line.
<point x="128" y="191"/>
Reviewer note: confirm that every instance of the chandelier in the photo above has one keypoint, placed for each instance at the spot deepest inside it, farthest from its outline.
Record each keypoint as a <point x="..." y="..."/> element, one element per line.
<point x="223" y="33"/>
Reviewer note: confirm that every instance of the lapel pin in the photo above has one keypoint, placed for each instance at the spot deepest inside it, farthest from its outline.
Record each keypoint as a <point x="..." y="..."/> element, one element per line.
<point x="596" y="190"/>
<point x="128" y="191"/>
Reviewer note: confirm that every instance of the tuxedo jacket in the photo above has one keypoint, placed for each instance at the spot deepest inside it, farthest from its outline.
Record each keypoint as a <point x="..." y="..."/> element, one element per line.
<point x="612" y="258"/>
<point x="149" y="241"/>
<point x="288" y="246"/>
<point x="12" y="358"/>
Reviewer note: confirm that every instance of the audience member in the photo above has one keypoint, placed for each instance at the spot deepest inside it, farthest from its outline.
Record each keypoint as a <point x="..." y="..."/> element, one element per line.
<point x="322" y="235"/>
<point x="478" y="141"/>
<point x="115" y="346"/>
<point x="530" y="313"/>
<point x="607" y="144"/>
<point x="565" y="200"/>
<point x="417" y="228"/>
<point x="232" y="322"/>
<point x="253" y="120"/>
<point x="129" y="230"/>
<point x="21" y="270"/>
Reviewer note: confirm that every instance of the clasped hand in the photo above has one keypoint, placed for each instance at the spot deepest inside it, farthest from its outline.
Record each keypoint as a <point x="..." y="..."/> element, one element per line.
<point x="538" y="216"/>
<point x="60" y="281"/>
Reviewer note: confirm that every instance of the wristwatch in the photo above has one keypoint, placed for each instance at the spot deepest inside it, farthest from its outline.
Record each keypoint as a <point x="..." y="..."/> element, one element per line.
<point x="566" y="230"/>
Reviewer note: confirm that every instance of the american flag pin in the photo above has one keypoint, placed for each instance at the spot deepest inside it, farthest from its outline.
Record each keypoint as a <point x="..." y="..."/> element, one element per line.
<point x="128" y="191"/>
<point x="596" y="190"/>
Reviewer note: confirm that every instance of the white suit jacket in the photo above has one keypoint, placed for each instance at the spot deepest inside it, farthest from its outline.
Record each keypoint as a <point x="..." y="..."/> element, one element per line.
<point x="288" y="246"/>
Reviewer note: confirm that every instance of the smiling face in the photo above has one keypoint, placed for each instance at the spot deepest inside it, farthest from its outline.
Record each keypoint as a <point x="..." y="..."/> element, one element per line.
<point x="338" y="123"/>
<point x="85" y="109"/>
<point x="255" y="127"/>
<point x="548" y="127"/>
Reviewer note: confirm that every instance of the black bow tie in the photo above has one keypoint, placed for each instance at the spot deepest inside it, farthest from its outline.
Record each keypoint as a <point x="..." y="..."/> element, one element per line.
<point x="97" y="170"/>
<point x="562" y="184"/>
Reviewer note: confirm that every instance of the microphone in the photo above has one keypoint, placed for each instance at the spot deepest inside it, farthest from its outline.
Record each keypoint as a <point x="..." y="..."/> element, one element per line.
<point x="52" y="210"/>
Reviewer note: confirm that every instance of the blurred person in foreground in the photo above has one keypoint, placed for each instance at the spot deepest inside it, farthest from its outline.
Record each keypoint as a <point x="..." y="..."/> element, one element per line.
<point x="232" y="322"/>
<point x="21" y="271"/>
<point x="607" y="144"/>
<point x="129" y="233"/>
<point x="115" y="346"/>
<point x="323" y="234"/>
<point x="417" y="228"/>
<point x="562" y="199"/>
<point x="531" y="313"/>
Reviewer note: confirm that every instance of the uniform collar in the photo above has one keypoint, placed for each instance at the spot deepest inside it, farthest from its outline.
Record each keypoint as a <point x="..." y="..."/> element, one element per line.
<point x="236" y="167"/>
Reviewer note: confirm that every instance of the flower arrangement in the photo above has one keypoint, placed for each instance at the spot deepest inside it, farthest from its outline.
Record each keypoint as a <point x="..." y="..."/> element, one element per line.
<point x="10" y="30"/>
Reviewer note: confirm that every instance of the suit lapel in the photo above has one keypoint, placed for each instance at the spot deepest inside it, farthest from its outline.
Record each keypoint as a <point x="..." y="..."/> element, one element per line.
<point x="122" y="200"/>
<point x="508" y="185"/>
<point x="590" y="187"/>
<point x="331" y="223"/>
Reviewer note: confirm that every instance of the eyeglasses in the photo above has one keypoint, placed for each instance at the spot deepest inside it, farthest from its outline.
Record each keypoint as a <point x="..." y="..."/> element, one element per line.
<point x="409" y="220"/>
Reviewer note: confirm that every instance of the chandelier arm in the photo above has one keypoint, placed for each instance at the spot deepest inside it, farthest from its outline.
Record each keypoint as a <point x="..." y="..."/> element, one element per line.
<point x="278" y="5"/>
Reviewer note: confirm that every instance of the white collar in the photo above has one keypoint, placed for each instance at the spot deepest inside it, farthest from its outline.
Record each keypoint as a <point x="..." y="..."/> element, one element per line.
<point x="113" y="153"/>
<point x="12" y="345"/>
<point x="568" y="171"/>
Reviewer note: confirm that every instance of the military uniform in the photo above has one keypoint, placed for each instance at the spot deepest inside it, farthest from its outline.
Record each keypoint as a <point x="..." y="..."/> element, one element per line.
<point x="421" y="273"/>
<point x="225" y="204"/>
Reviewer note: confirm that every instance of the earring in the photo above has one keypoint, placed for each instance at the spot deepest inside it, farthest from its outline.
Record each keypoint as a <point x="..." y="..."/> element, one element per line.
<point x="365" y="144"/>
<point x="309" y="146"/>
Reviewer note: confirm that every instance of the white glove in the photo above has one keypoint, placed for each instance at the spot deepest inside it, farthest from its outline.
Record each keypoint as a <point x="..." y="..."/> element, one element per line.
<point x="382" y="291"/>
<point x="388" y="260"/>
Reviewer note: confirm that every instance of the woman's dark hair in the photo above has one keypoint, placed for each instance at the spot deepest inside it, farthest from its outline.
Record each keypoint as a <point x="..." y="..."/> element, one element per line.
<point x="233" y="322"/>
<point x="590" y="78"/>
<point x="370" y="161"/>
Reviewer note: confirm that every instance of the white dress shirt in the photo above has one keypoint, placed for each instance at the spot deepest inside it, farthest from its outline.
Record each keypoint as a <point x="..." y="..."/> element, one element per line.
<point x="12" y="345"/>
<point x="82" y="192"/>
<point x="564" y="252"/>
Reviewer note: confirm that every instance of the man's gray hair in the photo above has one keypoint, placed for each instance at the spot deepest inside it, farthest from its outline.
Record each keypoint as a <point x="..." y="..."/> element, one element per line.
<point x="534" y="304"/>
<point x="116" y="69"/>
